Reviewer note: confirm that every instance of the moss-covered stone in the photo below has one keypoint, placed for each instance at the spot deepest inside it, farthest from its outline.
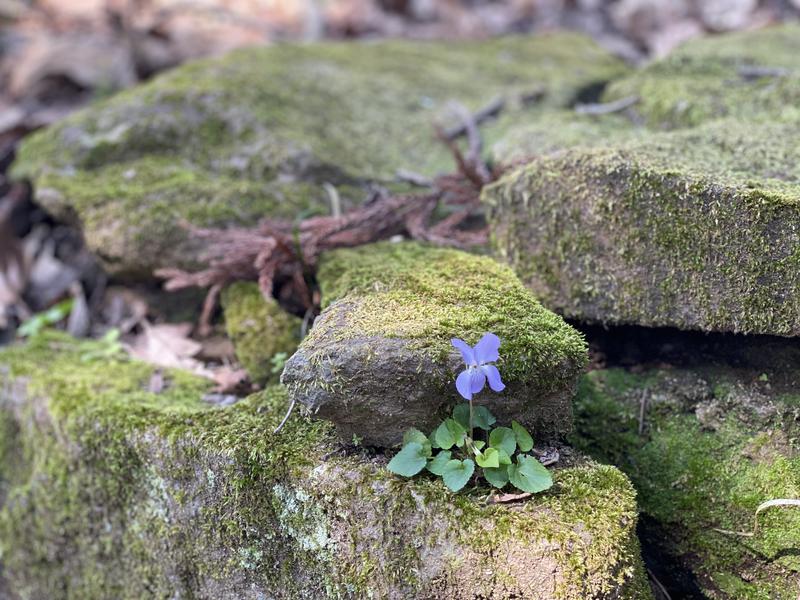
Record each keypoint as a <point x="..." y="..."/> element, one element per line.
<point x="715" y="443"/>
<point x="257" y="132"/>
<point x="259" y="329"/>
<point x="738" y="75"/>
<point x="557" y="130"/>
<point x="698" y="229"/>
<point x="379" y="358"/>
<point x="116" y="492"/>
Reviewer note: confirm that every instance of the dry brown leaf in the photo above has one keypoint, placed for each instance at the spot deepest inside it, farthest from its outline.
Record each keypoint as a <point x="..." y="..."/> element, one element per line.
<point x="231" y="380"/>
<point x="168" y="345"/>
<point x="506" y="498"/>
<point x="90" y="62"/>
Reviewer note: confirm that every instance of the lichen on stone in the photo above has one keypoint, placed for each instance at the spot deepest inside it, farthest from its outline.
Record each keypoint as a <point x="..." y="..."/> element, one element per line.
<point x="260" y="329"/>
<point x="120" y="492"/>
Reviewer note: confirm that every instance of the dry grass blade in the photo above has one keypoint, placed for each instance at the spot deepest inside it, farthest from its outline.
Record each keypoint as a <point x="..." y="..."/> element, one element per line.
<point x="777" y="502"/>
<point x="773" y="503"/>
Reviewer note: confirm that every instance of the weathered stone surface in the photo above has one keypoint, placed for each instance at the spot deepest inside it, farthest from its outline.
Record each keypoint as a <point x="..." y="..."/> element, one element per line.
<point x="697" y="229"/>
<point x="110" y="491"/>
<point x="379" y="358"/>
<point x="259" y="329"/>
<point x="256" y="133"/>
<point x="740" y="75"/>
<point x="717" y="442"/>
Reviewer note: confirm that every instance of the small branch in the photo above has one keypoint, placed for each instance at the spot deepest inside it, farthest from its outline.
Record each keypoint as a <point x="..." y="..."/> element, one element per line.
<point x="606" y="108"/>
<point x="751" y="72"/>
<point x="413" y="178"/>
<point x="491" y="110"/>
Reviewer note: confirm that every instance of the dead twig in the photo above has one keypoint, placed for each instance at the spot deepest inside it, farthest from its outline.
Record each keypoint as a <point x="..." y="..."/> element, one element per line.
<point x="490" y="111"/>
<point x="658" y="584"/>
<point x="606" y="108"/>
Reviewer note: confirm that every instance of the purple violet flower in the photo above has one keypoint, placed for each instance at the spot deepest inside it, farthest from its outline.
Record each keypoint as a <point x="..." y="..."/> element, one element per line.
<point x="472" y="379"/>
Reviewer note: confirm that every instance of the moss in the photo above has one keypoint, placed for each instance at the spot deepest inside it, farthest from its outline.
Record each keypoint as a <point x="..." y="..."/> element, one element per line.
<point x="259" y="329"/>
<point x="703" y="79"/>
<point x="225" y="139"/>
<point x="695" y="476"/>
<point x="695" y="229"/>
<point x="429" y="295"/>
<point x="133" y="494"/>
<point x="133" y="212"/>
<point x="557" y="130"/>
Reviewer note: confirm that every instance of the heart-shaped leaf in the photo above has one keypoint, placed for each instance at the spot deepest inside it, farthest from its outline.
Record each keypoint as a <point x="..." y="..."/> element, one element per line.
<point x="529" y="475"/>
<point x="497" y="477"/>
<point x="457" y="473"/>
<point x="488" y="459"/>
<point x="436" y="466"/>
<point x="449" y="434"/>
<point x="409" y="461"/>
<point x="503" y="438"/>
<point x="503" y="457"/>
<point x="415" y="435"/>
<point x="482" y="418"/>
<point x="524" y="439"/>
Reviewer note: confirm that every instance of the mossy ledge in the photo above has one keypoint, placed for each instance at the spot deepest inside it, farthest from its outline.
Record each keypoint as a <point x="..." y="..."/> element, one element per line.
<point x="379" y="358"/>
<point x="259" y="329"/>
<point x="697" y="229"/>
<point x="716" y="442"/>
<point x="257" y="133"/>
<point x="744" y="75"/>
<point x="111" y="491"/>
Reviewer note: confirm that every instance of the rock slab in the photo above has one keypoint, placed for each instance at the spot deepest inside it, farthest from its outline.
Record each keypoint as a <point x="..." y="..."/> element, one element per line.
<point x="110" y="491"/>
<point x="379" y="360"/>
<point x="696" y="229"/>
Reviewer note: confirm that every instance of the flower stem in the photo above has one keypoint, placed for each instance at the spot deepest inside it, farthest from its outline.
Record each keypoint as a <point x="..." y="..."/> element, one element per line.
<point x="470" y="418"/>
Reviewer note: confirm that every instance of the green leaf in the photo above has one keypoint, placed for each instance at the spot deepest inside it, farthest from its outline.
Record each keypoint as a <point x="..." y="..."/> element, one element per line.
<point x="497" y="477"/>
<point x="409" y="461"/>
<point x="461" y="414"/>
<point x="481" y="417"/>
<point x="437" y="464"/>
<point x="456" y="473"/>
<point x="529" y="475"/>
<point x="479" y="444"/>
<point x="489" y="459"/>
<point x="503" y="437"/>
<point x="449" y="434"/>
<point x="51" y="316"/>
<point x="503" y="457"/>
<point x="415" y="435"/>
<point x="524" y="439"/>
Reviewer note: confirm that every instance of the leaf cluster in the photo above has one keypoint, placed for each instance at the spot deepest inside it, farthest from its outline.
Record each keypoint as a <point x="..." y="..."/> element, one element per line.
<point x="452" y="454"/>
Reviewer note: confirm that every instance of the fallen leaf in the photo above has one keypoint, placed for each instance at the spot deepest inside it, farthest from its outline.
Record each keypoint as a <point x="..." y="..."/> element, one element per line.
<point x="168" y="345"/>
<point x="506" y="498"/>
<point x="231" y="380"/>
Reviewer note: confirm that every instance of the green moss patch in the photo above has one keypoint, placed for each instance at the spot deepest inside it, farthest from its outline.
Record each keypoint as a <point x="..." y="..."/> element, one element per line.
<point x="257" y="133"/>
<point x="259" y="329"/>
<point x="695" y="229"/>
<point x="119" y="492"/>
<point x="740" y="75"/>
<point x="716" y="443"/>
<point x="429" y="295"/>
